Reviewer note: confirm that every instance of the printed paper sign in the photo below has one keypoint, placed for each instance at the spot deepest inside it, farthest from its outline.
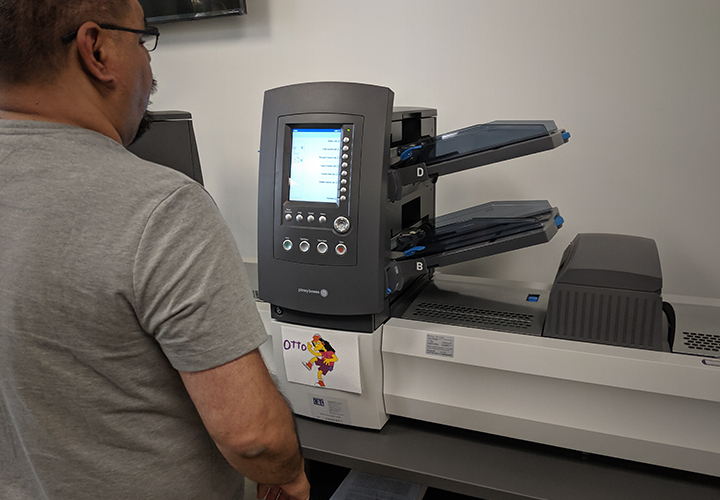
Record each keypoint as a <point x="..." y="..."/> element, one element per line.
<point x="322" y="358"/>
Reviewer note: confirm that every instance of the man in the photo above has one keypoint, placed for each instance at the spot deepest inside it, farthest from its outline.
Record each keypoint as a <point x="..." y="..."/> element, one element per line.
<point x="128" y="337"/>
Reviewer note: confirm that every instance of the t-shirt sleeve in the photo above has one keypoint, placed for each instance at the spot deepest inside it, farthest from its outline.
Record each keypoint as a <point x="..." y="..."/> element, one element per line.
<point x="191" y="288"/>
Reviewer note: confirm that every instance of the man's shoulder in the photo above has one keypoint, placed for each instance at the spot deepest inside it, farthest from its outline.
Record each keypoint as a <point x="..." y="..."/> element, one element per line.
<point x="89" y="153"/>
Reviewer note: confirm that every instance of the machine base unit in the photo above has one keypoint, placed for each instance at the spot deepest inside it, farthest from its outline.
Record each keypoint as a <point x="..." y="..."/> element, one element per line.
<point x="655" y="407"/>
<point x="661" y="409"/>
<point x="326" y="374"/>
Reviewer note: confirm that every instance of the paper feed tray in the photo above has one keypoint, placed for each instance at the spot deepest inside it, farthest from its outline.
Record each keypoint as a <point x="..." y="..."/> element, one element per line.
<point x="481" y="145"/>
<point x="479" y="231"/>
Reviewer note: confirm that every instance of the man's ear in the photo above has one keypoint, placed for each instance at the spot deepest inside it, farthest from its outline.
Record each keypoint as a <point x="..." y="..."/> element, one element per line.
<point x="95" y="49"/>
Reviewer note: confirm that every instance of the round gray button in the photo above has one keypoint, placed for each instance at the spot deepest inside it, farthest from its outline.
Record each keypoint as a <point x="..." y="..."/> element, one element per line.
<point x="311" y="218"/>
<point x="322" y="219"/>
<point x="341" y="224"/>
<point x="304" y="246"/>
<point x="299" y="217"/>
<point x="322" y="247"/>
<point x="346" y="139"/>
<point x="288" y="216"/>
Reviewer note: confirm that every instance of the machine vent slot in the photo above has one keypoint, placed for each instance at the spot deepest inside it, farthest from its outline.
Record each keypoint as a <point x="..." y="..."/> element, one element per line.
<point x="705" y="344"/>
<point x="463" y="316"/>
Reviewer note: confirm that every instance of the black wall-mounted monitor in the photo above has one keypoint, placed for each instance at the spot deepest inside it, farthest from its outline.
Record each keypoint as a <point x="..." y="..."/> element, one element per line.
<point x="165" y="11"/>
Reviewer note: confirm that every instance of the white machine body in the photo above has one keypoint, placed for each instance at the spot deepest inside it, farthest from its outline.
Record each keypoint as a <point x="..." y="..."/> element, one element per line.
<point x="661" y="408"/>
<point x="364" y="409"/>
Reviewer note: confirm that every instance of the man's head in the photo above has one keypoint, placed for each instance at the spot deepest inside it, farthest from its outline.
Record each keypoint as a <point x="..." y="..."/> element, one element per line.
<point x="30" y="32"/>
<point x="102" y="70"/>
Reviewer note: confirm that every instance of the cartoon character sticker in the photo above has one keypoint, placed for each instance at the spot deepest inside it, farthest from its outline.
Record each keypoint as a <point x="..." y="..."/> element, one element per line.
<point x="324" y="357"/>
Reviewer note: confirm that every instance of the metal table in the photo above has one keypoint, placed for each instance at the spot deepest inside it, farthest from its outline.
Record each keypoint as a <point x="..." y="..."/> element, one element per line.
<point x="492" y="467"/>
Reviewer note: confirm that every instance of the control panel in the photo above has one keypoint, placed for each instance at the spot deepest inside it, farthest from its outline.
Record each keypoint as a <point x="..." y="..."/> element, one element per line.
<point x="316" y="213"/>
<point x="322" y="200"/>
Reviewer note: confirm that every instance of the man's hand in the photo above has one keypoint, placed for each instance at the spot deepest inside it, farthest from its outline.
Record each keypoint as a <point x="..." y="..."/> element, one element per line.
<point x="297" y="490"/>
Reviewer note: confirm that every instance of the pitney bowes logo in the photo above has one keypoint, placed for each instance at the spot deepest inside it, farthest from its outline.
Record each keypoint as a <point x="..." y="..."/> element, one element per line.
<point x="309" y="291"/>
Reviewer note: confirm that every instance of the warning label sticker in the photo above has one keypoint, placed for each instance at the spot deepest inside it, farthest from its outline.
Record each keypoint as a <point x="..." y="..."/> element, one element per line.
<point x="440" y="345"/>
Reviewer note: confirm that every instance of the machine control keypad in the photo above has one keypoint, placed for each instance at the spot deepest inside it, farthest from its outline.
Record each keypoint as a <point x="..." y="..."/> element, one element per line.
<point x="318" y="231"/>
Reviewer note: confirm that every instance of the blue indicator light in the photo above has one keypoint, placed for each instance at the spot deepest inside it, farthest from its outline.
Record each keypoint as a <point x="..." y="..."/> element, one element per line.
<point x="533" y="298"/>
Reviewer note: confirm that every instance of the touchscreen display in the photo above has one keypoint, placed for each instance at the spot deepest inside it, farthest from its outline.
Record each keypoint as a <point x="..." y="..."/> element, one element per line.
<point x="315" y="164"/>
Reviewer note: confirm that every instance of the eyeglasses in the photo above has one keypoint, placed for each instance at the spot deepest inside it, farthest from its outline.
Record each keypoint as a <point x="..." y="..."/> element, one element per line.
<point x="148" y="37"/>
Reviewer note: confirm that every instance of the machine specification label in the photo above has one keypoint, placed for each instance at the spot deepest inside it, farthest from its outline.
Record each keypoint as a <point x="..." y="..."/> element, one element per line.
<point x="330" y="410"/>
<point x="440" y="345"/>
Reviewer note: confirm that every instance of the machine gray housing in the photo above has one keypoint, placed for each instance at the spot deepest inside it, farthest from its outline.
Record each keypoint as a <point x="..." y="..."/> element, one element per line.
<point x="607" y="291"/>
<point x="355" y="284"/>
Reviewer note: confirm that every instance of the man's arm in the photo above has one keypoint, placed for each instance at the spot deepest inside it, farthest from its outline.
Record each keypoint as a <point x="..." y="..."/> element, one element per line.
<point x="249" y="421"/>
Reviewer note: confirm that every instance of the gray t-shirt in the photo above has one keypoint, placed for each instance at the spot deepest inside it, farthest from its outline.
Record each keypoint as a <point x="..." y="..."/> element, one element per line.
<point x="114" y="274"/>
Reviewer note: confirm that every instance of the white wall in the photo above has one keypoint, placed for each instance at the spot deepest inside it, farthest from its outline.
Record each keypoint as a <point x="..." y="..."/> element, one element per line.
<point x="636" y="83"/>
